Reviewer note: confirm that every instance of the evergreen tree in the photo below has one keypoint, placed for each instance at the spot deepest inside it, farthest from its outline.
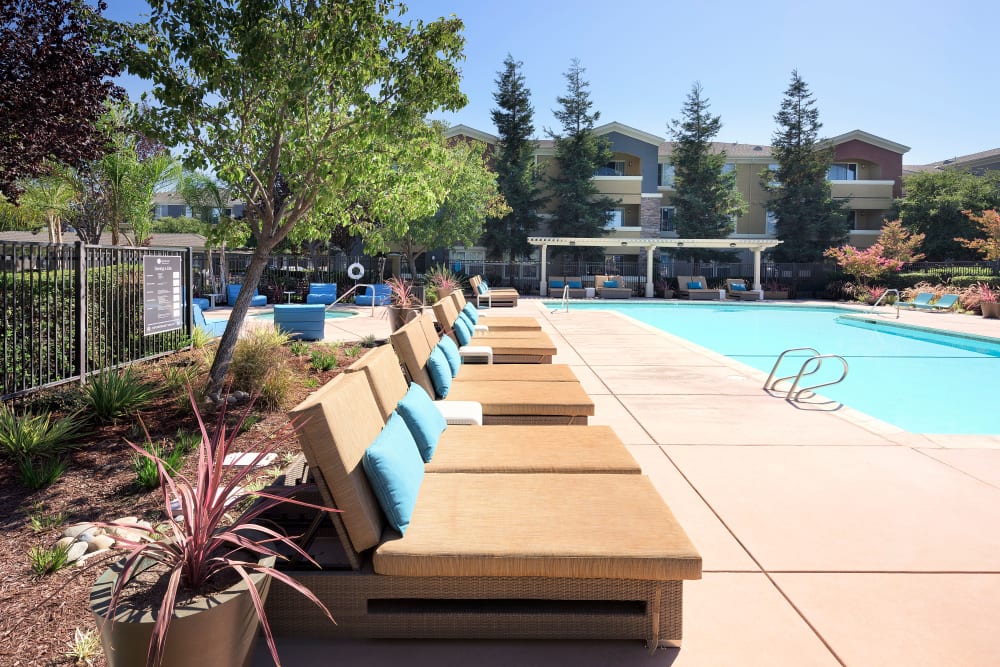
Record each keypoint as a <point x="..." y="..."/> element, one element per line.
<point x="514" y="165"/>
<point x="705" y="197"/>
<point x="808" y="219"/>
<point x="580" y="211"/>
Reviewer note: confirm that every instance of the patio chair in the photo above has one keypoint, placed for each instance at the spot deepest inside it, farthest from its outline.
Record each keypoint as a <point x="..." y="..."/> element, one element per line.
<point x="374" y="295"/>
<point x="233" y="291"/>
<point x="301" y="322"/>
<point x="507" y="347"/>
<point x="736" y="288"/>
<point x="573" y="285"/>
<point x="611" y="287"/>
<point x="695" y="288"/>
<point x="324" y="293"/>
<point x="595" y="556"/>
<point x="945" y="303"/>
<point x="511" y="323"/>
<point x="921" y="300"/>
<point x="500" y="296"/>
<point x="215" y="328"/>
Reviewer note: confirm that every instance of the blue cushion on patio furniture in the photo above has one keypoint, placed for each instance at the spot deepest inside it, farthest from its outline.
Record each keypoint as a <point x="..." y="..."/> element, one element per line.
<point x="462" y="332"/>
<point x="471" y="311"/>
<point x="450" y="350"/>
<point x="738" y="287"/>
<point x="325" y="293"/>
<point x="695" y="284"/>
<point x="611" y="283"/>
<point x="215" y="328"/>
<point x="425" y="421"/>
<point x="233" y="291"/>
<point x="382" y="296"/>
<point x="482" y="288"/>
<point x="301" y="322"/>
<point x="395" y="470"/>
<point x="556" y="284"/>
<point x="575" y="284"/>
<point x="440" y="372"/>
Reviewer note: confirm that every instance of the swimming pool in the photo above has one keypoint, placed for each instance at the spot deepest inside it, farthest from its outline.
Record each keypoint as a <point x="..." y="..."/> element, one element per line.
<point x="330" y="315"/>
<point x="919" y="380"/>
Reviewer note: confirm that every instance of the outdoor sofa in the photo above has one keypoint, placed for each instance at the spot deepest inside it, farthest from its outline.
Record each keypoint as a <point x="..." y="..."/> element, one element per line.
<point x="494" y="296"/>
<point x="483" y="555"/>
<point x="736" y="288"/>
<point x="611" y="287"/>
<point x="374" y="295"/>
<point x="686" y="289"/>
<point x="572" y="284"/>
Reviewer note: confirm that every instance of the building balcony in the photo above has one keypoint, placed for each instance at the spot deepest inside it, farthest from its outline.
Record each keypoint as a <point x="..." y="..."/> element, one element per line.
<point x="873" y="195"/>
<point x="627" y="189"/>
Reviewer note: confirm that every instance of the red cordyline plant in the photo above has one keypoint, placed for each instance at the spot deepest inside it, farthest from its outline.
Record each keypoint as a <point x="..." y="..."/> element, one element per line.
<point x="443" y="278"/>
<point x="203" y="543"/>
<point x="402" y="293"/>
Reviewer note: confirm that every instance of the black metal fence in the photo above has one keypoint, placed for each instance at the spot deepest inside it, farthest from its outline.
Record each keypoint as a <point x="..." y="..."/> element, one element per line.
<point x="70" y="310"/>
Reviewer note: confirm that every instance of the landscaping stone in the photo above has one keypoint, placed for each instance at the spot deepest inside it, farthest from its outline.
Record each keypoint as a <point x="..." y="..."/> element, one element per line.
<point x="100" y="543"/>
<point x="64" y="542"/>
<point x="76" y="550"/>
<point x="76" y="529"/>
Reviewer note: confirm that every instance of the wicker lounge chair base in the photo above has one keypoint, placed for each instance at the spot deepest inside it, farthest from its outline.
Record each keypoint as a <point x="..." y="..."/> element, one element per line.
<point x="512" y="323"/>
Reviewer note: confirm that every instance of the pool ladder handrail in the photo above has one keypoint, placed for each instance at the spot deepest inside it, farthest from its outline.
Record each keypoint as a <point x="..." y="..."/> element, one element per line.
<point x="565" y="300"/>
<point x="795" y="392"/>
<point x="352" y="291"/>
<point x="884" y="295"/>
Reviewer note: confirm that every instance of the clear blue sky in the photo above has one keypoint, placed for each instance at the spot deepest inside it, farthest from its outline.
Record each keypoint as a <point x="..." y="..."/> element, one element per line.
<point x="921" y="74"/>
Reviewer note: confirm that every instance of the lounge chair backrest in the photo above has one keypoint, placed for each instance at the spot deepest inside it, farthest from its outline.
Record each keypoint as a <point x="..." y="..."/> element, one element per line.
<point x="430" y="332"/>
<point x="444" y="311"/>
<point x="459" y="299"/>
<point x="385" y="377"/>
<point x="946" y="301"/>
<point x="682" y="282"/>
<point x="336" y="425"/>
<point x="410" y="344"/>
<point x="923" y="297"/>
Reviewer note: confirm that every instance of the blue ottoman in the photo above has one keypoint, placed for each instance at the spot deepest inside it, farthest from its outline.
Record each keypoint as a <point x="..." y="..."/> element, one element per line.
<point x="303" y="322"/>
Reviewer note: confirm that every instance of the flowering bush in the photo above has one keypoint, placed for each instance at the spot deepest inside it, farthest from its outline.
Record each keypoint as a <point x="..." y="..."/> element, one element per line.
<point x="864" y="265"/>
<point x="989" y="245"/>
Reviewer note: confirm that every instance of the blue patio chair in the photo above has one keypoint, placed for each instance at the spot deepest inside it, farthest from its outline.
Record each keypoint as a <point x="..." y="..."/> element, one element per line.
<point x="946" y="302"/>
<point x="382" y="296"/>
<point x="922" y="300"/>
<point x="301" y="322"/>
<point x="324" y="293"/>
<point x="233" y="291"/>
<point x="215" y="328"/>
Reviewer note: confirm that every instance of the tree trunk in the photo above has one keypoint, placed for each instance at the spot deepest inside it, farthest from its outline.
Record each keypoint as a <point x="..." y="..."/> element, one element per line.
<point x="224" y="353"/>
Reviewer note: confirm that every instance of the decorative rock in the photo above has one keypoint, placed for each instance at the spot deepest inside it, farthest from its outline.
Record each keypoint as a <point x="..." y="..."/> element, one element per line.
<point x="214" y="397"/>
<point x="76" y="529"/>
<point x="76" y="550"/>
<point x="231" y="400"/>
<point x="64" y="542"/>
<point x="99" y="543"/>
<point x="88" y="535"/>
<point x="87" y="556"/>
<point x="241" y="395"/>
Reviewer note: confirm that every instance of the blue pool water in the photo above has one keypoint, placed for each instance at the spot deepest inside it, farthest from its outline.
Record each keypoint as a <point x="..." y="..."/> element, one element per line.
<point x="921" y="381"/>
<point x="330" y="315"/>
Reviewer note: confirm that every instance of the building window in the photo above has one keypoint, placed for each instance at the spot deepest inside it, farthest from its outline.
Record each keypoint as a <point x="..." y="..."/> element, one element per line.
<point x="613" y="168"/>
<point x="667" y="217"/>
<point x="852" y="220"/>
<point x="728" y="167"/>
<point x="161" y="211"/>
<point x="615" y="218"/>
<point x="773" y="168"/>
<point x="187" y="212"/>
<point x="842" y="171"/>
<point x="771" y="224"/>
<point x="665" y="175"/>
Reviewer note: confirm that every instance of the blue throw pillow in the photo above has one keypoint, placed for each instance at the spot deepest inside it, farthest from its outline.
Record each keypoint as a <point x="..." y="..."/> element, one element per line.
<point x="425" y="421"/>
<point x="471" y="311"/>
<point x="482" y="288"/>
<point x="575" y="284"/>
<point x="738" y="287"/>
<point x="462" y="332"/>
<point x="556" y="284"/>
<point x="695" y="284"/>
<point x="395" y="470"/>
<point x="440" y="371"/>
<point x="611" y="283"/>
<point x="450" y="350"/>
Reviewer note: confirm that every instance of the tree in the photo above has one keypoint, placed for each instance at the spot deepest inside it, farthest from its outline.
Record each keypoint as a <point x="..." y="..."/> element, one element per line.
<point x="207" y="199"/>
<point x="291" y="103"/>
<point x="580" y="211"/>
<point x="987" y="245"/>
<point x="807" y="219"/>
<point x="706" y="197"/>
<point x="55" y="74"/>
<point x="899" y="243"/>
<point x="866" y="265"/>
<point x="933" y="205"/>
<point x="49" y="197"/>
<point x="514" y="164"/>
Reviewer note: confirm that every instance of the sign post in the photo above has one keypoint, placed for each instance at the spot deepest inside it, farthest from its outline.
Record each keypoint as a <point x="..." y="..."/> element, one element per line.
<point x="161" y="294"/>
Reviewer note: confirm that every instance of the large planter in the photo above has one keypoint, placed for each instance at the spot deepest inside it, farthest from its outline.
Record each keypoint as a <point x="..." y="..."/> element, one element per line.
<point x="219" y="629"/>
<point x="990" y="310"/>
<point x="399" y="315"/>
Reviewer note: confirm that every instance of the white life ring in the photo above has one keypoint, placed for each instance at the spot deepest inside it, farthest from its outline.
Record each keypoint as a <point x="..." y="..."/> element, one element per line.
<point x="355" y="271"/>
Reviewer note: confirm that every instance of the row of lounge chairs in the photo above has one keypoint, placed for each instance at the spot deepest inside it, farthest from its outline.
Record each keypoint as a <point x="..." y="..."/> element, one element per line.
<point x="923" y="301"/>
<point x="525" y="523"/>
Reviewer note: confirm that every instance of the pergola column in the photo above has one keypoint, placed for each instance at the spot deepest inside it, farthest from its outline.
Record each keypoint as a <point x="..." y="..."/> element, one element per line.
<point x="649" y="271"/>
<point x="756" y="268"/>
<point x="543" y="286"/>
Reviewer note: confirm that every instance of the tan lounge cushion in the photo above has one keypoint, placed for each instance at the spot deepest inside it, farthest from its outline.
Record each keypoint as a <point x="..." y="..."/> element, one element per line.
<point x="580" y="526"/>
<point x="525" y="398"/>
<point x="512" y="372"/>
<point x="532" y="449"/>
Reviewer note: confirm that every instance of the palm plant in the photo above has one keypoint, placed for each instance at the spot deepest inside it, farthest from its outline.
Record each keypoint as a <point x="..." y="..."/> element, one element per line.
<point x="49" y="197"/>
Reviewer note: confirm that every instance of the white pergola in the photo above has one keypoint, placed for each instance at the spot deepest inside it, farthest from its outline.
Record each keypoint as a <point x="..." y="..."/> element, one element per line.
<point x="755" y="245"/>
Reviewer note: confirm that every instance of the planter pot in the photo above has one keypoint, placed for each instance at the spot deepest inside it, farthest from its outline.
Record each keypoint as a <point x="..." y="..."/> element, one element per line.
<point x="398" y="316"/>
<point x="219" y="629"/>
<point x="990" y="310"/>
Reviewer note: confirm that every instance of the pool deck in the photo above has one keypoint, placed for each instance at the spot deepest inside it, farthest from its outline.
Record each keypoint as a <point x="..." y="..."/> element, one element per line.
<point x="828" y="538"/>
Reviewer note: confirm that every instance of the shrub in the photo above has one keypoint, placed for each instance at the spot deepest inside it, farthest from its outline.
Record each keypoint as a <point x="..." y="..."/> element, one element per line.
<point x="39" y="473"/>
<point x="323" y="359"/>
<point x="146" y="472"/>
<point x="85" y="647"/>
<point x="46" y="560"/>
<point x="36" y="436"/>
<point x="110" y="395"/>
<point x="40" y="521"/>
<point x="257" y="354"/>
<point x="276" y="388"/>
<point x="298" y="348"/>
<point x="200" y="337"/>
<point x="353" y="351"/>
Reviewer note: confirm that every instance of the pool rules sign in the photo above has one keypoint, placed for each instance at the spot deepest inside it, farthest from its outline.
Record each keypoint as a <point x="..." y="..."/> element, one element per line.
<point x="161" y="294"/>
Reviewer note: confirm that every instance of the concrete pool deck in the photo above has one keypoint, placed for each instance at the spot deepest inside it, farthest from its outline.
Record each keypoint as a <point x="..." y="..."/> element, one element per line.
<point x="828" y="538"/>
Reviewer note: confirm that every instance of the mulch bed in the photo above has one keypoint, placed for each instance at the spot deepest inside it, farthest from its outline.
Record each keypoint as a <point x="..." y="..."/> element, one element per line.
<point x="39" y="614"/>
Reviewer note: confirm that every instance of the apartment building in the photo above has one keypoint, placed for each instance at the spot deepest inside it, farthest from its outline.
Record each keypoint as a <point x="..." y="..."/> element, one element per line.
<point x="866" y="174"/>
<point x="172" y="205"/>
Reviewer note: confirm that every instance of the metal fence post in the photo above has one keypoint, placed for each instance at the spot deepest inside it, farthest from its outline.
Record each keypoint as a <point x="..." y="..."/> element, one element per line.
<point x="81" y="309"/>
<point x="189" y="292"/>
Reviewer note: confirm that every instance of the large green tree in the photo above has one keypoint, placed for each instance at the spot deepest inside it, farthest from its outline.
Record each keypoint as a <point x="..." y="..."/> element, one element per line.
<point x="291" y="103"/>
<point x="705" y="194"/>
<point x="808" y="220"/>
<point x="580" y="209"/>
<point x="514" y="163"/>
<point x="933" y="203"/>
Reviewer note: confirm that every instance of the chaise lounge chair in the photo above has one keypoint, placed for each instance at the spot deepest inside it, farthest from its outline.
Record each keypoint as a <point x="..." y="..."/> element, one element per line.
<point x="921" y="300"/>
<point x="695" y="288"/>
<point x="572" y="556"/>
<point x="512" y="323"/>
<point x="946" y="302"/>
<point x="736" y="288"/>
<point x="611" y="287"/>
<point x="500" y="296"/>
<point x="300" y="321"/>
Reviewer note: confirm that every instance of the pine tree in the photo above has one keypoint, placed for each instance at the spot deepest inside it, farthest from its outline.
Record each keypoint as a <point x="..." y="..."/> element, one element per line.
<point x="514" y="165"/>
<point x="705" y="197"/>
<point x="808" y="220"/>
<point x="579" y="210"/>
